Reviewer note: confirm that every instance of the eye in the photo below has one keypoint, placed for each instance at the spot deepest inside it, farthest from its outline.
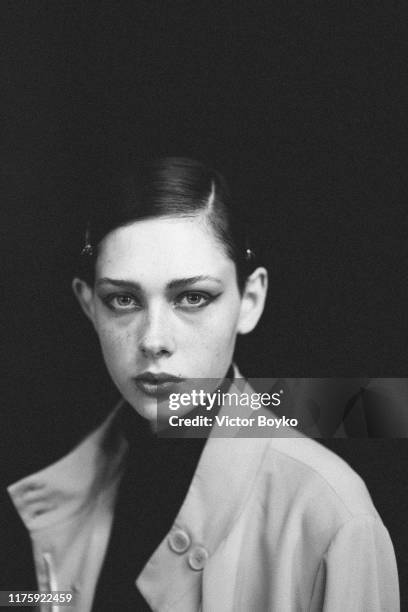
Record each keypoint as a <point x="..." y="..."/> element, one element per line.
<point x="194" y="299"/>
<point x="121" y="302"/>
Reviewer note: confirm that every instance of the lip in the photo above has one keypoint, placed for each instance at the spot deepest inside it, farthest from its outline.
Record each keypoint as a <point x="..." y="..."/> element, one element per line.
<point x="157" y="377"/>
<point x="156" y="384"/>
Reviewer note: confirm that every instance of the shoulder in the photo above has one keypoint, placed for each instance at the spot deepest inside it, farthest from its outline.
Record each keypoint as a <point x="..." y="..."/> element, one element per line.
<point x="306" y="498"/>
<point x="303" y="474"/>
<point x="298" y="467"/>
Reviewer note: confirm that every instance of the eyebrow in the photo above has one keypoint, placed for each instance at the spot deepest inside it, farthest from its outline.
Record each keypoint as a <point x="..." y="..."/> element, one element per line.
<point x="174" y="284"/>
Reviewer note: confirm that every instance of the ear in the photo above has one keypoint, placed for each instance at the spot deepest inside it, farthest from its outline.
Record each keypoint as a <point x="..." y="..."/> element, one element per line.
<point x="84" y="294"/>
<point x="253" y="301"/>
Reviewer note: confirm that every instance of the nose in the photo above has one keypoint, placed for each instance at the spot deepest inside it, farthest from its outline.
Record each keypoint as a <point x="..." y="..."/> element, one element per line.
<point x="156" y="339"/>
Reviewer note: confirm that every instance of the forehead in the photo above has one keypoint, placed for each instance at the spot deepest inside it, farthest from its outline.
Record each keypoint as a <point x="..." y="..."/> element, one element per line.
<point x="165" y="246"/>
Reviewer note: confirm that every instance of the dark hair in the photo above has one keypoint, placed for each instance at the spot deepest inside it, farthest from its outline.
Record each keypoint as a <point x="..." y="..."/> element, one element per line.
<point x="171" y="186"/>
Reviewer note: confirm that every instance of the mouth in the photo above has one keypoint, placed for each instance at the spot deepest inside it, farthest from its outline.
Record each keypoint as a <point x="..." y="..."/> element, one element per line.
<point x="156" y="384"/>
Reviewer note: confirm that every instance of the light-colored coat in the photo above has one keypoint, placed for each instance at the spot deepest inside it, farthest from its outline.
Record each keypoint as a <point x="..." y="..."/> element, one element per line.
<point x="274" y="524"/>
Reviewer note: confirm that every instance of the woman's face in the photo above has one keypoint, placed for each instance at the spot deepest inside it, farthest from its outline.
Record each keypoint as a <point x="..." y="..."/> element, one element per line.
<point x="165" y="304"/>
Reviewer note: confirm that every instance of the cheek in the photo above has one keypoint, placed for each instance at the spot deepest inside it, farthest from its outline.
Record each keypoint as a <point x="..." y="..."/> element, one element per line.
<point x="115" y="343"/>
<point x="216" y="335"/>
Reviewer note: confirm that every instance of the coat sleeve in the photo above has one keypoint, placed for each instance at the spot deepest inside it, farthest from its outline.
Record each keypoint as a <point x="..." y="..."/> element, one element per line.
<point x="358" y="572"/>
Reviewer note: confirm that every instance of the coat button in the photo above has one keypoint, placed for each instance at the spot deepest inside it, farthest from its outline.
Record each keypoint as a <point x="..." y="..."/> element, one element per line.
<point x="197" y="558"/>
<point x="179" y="541"/>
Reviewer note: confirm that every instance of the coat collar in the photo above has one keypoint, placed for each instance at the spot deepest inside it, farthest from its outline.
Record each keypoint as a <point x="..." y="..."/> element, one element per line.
<point x="70" y="485"/>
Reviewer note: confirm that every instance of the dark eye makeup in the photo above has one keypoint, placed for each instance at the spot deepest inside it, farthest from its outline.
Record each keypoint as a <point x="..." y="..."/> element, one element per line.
<point x="122" y="303"/>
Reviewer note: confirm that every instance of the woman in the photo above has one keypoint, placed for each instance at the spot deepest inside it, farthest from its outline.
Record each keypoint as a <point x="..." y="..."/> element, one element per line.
<point x="130" y="521"/>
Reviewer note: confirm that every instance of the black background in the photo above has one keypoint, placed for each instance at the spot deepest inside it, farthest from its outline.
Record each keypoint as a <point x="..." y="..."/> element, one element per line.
<point x="301" y="106"/>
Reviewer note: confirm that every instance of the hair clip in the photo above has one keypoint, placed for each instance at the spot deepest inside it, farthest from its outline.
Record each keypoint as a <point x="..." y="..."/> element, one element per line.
<point x="249" y="255"/>
<point x="87" y="250"/>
